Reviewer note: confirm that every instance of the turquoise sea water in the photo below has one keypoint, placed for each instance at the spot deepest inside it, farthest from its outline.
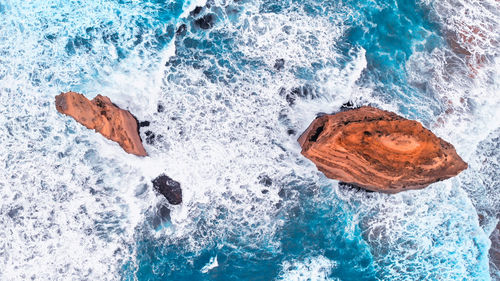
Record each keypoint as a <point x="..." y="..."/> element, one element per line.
<point x="228" y="87"/>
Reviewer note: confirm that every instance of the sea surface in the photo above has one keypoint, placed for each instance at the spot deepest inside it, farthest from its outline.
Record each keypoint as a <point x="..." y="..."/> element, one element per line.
<point x="228" y="87"/>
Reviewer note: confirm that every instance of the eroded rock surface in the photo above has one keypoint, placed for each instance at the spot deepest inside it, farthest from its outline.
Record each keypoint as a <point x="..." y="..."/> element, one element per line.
<point x="104" y="117"/>
<point x="379" y="150"/>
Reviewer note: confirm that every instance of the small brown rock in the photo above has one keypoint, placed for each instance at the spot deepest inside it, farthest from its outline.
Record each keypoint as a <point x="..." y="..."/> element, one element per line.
<point x="104" y="117"/>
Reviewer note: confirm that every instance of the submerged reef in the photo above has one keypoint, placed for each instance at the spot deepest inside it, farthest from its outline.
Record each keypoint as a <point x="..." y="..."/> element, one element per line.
<point x="105" y="118"/>
<point x="379" y="150"/>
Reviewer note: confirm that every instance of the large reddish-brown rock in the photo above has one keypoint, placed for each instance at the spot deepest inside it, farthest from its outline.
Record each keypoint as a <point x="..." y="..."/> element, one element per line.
<point x="379" y="150"/>
<point x="104" y="117"/>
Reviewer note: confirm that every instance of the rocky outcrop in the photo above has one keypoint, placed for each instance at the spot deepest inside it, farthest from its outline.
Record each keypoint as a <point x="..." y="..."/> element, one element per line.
<point x="169" y="188"/>
<point x="379" y="150"/>
<point x="495" y="250"/>
<point x="104" y="117"/>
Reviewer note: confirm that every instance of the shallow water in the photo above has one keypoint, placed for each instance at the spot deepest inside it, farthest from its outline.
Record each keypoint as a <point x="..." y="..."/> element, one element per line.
<point x="226" y="104"/>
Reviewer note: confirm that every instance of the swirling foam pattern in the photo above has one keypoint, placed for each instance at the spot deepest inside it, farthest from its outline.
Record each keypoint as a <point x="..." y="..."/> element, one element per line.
<point x="226" y="104"/>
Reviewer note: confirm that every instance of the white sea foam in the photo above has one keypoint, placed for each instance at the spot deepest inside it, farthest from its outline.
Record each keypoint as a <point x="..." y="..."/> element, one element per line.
<point x="432" y="234"/>
<point x="71" y="199"/>
<point x="313" y="269"/>
<point x="68" y="210"/>
<point x="221" y="136"/>
<point x="228" y="127"/>
<point x="465" y="112"/>
<point x="78" y="217"/>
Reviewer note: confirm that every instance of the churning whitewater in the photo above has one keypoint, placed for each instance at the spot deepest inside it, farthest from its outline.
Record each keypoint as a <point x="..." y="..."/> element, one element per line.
<point x="228" y="87"/>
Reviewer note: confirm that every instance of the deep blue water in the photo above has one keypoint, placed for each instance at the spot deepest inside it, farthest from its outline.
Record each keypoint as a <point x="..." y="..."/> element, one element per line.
<point x="390" y="32"/>
<point x="310" y="228"/>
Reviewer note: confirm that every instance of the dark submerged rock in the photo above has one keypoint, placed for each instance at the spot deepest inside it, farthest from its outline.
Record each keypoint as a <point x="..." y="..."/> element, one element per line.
<point x="150" y="137"/>
<point x="279" y="64"/>
<point x="350" y="186"/>
<point x="290" y="98"/>
<point x="161" y="215"/>
<point x="494" y="252"/>
<point x="347" y="106"/>
<point x="169" y="188"/>
<point x="181" y="30"/>
<point x="265" y="180"/>
<point x="303" y="92"/>
<point x="206" y="22"/>
<point x="196" y="11"/>
<point x="144" y="124"/>
<point x="14" y="211"/>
